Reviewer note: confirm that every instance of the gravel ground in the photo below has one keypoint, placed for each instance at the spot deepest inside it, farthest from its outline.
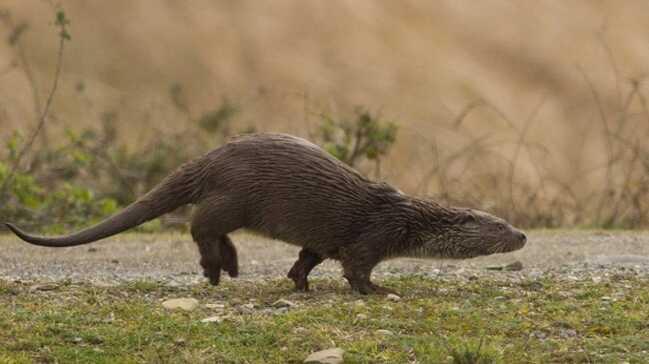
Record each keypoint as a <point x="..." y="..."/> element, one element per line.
<point x="173" y="258"/>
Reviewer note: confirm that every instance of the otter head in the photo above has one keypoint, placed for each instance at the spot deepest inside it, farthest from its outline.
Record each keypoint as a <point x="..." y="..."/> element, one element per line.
<point x="467" y="233"/>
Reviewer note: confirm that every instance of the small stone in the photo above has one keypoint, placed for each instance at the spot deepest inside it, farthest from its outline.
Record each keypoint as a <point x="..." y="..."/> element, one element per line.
<point x="359" y="303"/>
<point x="393" y="297"/>
<point x="114" y="261"/>
<point x="495" y="267"/>
<point x="215" y="306"/>
<point x="103" y="284"/>
<point x="384" y="332"/>
<point x="216" y="319"/>
<point x="566" y="333"/>
<point x="329" y="356"/>
<point x="361" y="316"/>
<point x="538" y="334"/>
<point x="44" y="287"/>
<point x="284" y="303"/>
<point x="606" y="298"/>
<point x="92" y="250"/>
<point x="515" y="266"/>
<point x="246" y="308"/>
<point x="187" y="304"/>
<point x="534" y="286"/>
<point x="500" y="298"/>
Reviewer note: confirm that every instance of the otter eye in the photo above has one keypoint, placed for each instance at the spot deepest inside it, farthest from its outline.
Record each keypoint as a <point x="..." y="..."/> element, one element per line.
<point x="501" y="227"/>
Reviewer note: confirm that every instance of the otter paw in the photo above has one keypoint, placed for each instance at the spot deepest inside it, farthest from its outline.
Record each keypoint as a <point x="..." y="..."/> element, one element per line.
<point x="211" y="271"/>
<point x="213" y="277"/>
<point x="232" y="268"/>
<point x="301" y="285"/>
<point x="367" y="288"/>
<point x="301" y="282"/>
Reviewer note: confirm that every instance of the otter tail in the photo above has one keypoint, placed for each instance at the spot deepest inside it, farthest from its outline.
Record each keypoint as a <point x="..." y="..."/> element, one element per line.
<point x="180" y="188"/>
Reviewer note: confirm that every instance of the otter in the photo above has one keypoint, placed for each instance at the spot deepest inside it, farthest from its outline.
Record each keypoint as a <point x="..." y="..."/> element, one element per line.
<point x="290" y="189"/>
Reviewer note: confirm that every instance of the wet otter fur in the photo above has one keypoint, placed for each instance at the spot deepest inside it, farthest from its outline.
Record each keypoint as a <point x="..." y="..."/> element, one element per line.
<point x="289" y="189"/>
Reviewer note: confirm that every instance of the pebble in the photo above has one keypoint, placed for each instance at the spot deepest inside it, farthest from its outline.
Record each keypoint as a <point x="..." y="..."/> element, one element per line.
<point x="393" y="297"/>
<point x="284" y="303"/>
<point x="215" y="306"/>
<point x="44" y="287"/>
<point x="384" y="332"/>
<point x="538" y="334"/>
<point x="187" y="304"/>
<point x="329" y="356"/>
<point x="216" y="319"/>
<point x="514" y="266"/>
<point x="566" y="333"/>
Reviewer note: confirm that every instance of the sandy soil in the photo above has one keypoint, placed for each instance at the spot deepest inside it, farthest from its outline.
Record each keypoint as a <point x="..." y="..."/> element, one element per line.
<point x="174" y="259"/>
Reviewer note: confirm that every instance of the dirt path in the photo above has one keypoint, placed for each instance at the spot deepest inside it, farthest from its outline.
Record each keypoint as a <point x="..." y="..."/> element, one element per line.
<point x="173" y="258"/>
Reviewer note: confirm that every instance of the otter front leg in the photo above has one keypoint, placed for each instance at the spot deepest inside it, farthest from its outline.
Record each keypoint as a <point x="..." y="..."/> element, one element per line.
<point x="357" y="269"/>
<point x="210" y="224"/>
<point x="229" y="258"/>
<point x="307" y="260"/>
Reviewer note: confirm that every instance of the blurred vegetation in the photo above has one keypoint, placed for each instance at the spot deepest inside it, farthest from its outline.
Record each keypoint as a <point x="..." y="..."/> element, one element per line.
<point x="366" y="138"/>
<point x="87" y="173"/>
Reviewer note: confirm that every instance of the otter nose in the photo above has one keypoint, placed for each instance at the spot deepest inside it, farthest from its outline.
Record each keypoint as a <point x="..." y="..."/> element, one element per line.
<point x="521" y="236"/>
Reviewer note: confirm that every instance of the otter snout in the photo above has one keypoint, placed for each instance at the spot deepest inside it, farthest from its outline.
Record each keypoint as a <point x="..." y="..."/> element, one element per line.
<point x="520" y="236"/>
<point x="519" y="239"/>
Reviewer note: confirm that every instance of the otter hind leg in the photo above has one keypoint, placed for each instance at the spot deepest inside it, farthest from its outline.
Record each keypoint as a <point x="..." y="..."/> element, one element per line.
<point x="305" y="263"/>
<point x="211" y="260"/>
<point x="211" y="222"/>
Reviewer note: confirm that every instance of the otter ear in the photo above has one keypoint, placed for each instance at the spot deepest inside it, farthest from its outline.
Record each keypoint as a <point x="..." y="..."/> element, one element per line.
<point x="468" y="218"/>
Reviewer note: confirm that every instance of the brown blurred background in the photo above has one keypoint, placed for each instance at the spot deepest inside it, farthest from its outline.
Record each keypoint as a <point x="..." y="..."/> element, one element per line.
<point x="556" y="88"/>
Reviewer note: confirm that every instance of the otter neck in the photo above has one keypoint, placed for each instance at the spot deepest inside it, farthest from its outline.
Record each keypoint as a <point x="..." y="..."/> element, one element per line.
<point x="427" y="227"/>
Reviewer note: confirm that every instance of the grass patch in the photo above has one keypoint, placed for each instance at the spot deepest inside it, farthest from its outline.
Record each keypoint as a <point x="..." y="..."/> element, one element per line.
<point x="436" y="321"/>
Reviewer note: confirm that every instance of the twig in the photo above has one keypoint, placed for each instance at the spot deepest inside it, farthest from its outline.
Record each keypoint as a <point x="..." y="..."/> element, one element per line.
<point x="519" y="145"/>
<point x="43" y="117"/>
<point x="607" y="139"/>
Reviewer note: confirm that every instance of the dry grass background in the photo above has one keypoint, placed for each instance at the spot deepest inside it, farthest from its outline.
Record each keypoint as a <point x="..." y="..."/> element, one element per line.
<point x="533" y="109"/>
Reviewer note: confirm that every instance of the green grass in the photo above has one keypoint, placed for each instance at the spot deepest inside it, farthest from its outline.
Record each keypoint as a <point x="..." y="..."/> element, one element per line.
<point x="489" y="320"/>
